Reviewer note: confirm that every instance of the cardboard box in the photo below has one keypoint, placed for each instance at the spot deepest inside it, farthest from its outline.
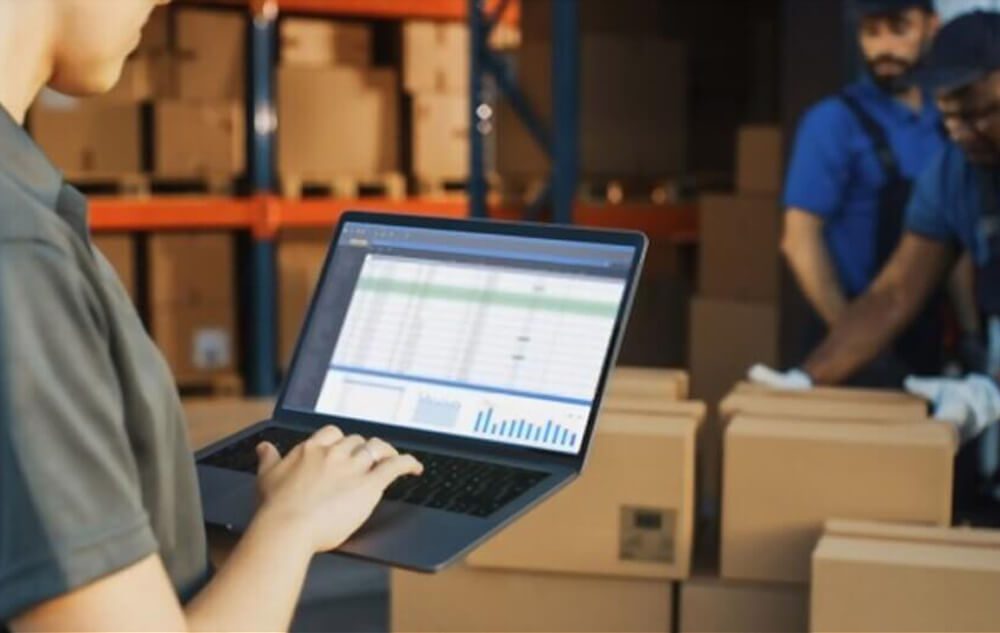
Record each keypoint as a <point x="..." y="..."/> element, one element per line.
<point x="826" y="404"/>
<point x="211" y="47"/>
<point x="300" y="263"/>
<point x="191" y="269"/>
<point x="644" y="404"/>
<point x="784" y="478"/>
<point x="882" y="583"/>
<point x="144" y="78"/>
<point x="156" y="34"/>
<point x="81" y="138"/>
<point x="727" y="338"/>
<point x="119" y="250"/>
<point x="631" y="511"/>
<point x="760" y="163"/>
<point x="198" y="340"/>
<point x="337" y="122"/>
<point x="198" y="140"/>
<point x="436" y="57"/>
<point x="319" y="42"/>
<point x="713" y="605"/>
<point x="441" y="137"/>
<point x="469" y="600"/>
<point x="930" y="535"/>
<point x="651" y="382"/>
<point x="739" y="254"/>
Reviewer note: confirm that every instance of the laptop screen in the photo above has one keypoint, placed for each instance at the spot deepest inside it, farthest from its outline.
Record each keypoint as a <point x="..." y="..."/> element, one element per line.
<point x="492" y="337"/>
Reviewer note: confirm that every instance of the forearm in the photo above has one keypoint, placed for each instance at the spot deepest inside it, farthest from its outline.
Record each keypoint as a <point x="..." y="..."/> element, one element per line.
<point x="258" y="586"/>
<point x="819" y="282"/>
<point x="961" y="292"/>
<point x="869" y="325"/>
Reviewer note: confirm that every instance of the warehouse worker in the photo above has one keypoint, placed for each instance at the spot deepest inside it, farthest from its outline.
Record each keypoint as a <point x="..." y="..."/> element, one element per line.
<point x="849" y="179"/>
<point x="100" y="519"/>
<point x="956" y="205"/>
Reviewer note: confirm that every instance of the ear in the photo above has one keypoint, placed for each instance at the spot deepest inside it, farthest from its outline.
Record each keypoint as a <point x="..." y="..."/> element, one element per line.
<point x="933" y="24"/>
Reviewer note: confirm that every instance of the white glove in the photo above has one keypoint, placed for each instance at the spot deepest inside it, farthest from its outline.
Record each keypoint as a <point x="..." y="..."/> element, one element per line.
<point x="971" y="404"/>
<point x="791" y="380"/>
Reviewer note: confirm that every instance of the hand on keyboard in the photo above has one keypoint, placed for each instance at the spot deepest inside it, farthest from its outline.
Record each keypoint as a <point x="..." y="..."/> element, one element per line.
<point x="326" y="487"/>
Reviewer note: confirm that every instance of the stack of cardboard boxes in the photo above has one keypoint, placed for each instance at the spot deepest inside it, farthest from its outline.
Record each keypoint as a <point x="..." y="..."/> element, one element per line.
<point x="793" y="461"/>
<point x="182" y="90"/>
<point x="338" y="115"/>
<point x="601" y="555"/>
<point x="891" y="577"/>
<point x="436" y="78"/>
<point x="192" y="305"/>
<point x="633" y="95"/>
<point x="734" y="319"/>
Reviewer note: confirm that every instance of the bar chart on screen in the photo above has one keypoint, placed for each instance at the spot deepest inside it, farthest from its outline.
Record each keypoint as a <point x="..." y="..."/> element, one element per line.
<point x="548" y="434"/>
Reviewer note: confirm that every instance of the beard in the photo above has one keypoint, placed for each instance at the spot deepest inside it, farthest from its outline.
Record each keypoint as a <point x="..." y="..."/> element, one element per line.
<point x="899" y="80"/>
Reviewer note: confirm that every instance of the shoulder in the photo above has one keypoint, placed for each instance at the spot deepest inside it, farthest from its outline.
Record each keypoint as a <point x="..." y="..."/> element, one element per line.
<point x="829" y="118"/>
<point x="27" y="219"/>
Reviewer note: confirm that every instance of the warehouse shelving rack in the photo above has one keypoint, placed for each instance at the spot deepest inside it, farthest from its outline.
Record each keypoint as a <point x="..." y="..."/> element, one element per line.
<point x="263" y="214"/>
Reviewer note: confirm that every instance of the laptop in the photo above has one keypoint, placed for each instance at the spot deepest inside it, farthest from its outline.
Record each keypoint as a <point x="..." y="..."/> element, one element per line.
<point x="482" y="348"/>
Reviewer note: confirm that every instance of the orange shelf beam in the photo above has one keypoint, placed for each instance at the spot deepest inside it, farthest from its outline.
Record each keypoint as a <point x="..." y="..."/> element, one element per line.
<point x="265" y="216"/>
<point x="165" y="213"/>
<point x="383" y="9"/>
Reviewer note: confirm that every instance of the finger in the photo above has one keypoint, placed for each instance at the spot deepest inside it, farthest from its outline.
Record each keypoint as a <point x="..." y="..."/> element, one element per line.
<point x="346" y="447"/>
<point x="267" y="457"/>
<point x="372" y="453"/>
<point x="326" y="436"/>
<point x="395" y="467"/>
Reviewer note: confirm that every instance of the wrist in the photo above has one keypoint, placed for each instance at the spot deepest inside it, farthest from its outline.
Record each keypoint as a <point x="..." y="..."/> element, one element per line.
<point x="273" y="524"/>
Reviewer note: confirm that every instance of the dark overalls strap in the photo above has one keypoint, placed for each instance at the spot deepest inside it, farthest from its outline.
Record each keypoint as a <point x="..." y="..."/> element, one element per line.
<point x="895" y="193"/>
<point x="988" y="277"/>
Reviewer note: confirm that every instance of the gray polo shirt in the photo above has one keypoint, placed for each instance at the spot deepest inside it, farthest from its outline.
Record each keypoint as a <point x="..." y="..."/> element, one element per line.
<point x="95" y="468"/>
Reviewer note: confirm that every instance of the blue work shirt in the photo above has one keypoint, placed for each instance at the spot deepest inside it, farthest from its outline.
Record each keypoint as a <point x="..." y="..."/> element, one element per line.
<point x="835" y="174"/>
<point x="948" y="205"/>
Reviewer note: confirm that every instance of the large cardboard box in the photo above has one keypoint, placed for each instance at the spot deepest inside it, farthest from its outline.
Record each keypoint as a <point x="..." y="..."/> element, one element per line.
<point x="714" y="605"/>
<point x="320" y="42"/>
<point x="300" y="263"/>
<point x="337" y="122"/>
<point x="831" y="404"/>
<point x="727" y="338"/>
<point x="440" y="137"/>
<point x="631" y="511"/>
<point x="143" y="78"/>
<point x="191" y="269"/>
<point x="653" y="405"/>
<point x="760" y="161"/>
<point x="198" y="139"/>
<point x="119" y="249"/>
<point x="471" y="600"/>
<point x="738" y="256"/>
<point x="198" y="340"/>
<point x="211" y="49"/>
<point x="651" y="382"/>
<point x="783" y="478"/>
<point x="82" y="138"/>
<point x="937" y="580"/>
<point x="436" y="57"/>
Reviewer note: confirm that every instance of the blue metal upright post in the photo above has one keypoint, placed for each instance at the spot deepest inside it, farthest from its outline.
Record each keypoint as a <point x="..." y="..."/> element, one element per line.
<point x="261" y="351"/>
<point x="478" y="123"/>
<point x="566" y="108"/>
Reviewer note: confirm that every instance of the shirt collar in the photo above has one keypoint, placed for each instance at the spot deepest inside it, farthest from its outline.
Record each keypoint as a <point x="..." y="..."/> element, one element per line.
<point x="868" y="90"/>
<point x="28" y="167"/>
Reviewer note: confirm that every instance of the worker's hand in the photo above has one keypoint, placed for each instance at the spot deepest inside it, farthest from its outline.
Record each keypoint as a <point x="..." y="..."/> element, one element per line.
<point x="327" y="486"/>
<point x="971" y="403"/>
<point x="791" y="380"/>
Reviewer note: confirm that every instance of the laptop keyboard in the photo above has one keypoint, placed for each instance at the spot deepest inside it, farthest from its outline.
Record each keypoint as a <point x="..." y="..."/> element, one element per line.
<point x="452" y="484"/>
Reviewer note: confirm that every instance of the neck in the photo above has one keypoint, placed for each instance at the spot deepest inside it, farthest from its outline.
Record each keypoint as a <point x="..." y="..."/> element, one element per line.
<point x="912" y="98"/>
<point x="26" y="59"/>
